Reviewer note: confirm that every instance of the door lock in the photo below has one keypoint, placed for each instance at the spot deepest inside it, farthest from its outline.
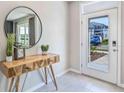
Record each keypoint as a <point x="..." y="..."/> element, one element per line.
<point x="113" y="43"/>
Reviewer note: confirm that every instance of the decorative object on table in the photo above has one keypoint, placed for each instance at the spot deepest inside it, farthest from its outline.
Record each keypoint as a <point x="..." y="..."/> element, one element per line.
<point x="44" y="49"/>
<point x="19" y="53"/>
<point x="9" y="49"/>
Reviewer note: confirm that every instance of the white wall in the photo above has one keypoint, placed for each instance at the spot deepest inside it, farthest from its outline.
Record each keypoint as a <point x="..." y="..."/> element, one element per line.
<point x="74" y="34"/>
<point x="54" y="16"/>
<point x="74" y="25"/>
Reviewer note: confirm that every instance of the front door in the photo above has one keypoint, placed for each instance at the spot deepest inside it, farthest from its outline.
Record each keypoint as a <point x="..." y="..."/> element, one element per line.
<point x="99" y="44"/>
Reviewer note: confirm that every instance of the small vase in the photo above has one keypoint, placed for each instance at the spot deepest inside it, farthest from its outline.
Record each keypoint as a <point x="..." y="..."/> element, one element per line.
<point x="9" y="58"/>
<point x="44" y="53"/>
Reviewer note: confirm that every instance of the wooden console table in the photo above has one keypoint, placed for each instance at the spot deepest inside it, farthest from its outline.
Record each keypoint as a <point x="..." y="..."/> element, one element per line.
<point x="13" y="70"/>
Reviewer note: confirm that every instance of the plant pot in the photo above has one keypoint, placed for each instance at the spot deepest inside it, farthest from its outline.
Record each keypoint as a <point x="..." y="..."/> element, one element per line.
<point x="9" y="58"/>
<point x="44" y="53"/>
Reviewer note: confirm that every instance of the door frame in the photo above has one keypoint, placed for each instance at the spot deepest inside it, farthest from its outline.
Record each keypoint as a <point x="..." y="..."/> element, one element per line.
<point x="119" y="5"/>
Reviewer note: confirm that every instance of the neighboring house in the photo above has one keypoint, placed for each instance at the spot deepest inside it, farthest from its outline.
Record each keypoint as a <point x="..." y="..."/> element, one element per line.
<point x="98" y="29"/>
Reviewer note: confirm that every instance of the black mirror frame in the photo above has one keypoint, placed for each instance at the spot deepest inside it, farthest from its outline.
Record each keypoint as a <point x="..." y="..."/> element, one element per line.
<point x="5" y="31"/>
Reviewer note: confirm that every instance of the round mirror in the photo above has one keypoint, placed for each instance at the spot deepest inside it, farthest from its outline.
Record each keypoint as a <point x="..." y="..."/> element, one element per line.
<point x="25" y="25"/>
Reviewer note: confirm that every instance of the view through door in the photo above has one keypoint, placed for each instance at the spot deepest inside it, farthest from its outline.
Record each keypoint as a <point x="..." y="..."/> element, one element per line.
<point x="98" y="29"/>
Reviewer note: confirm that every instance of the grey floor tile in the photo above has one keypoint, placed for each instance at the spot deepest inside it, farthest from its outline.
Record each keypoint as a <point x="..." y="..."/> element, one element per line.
<point x="73" y="82"/>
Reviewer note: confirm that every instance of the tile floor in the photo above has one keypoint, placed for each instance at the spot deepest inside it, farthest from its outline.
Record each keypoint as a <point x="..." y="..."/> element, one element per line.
<point x="73" y="82"/>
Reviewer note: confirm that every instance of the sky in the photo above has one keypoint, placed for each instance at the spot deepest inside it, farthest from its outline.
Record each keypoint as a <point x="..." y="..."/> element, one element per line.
<point x="103" y="20"/>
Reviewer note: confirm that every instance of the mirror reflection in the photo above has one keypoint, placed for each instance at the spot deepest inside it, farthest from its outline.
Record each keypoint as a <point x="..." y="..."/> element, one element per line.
<point x="99" y="43"/>
<point x="26" y="26"/>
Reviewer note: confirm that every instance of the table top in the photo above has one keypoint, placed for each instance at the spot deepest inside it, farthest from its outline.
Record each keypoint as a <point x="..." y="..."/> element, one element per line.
<point x="27" y="60"/>
<point x="18" y="67"/>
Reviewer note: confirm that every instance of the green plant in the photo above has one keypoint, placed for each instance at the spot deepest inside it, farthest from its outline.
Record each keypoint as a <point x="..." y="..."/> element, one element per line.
<point x="105" y="42"/>
<point x="93" y="48"/>
<point x="44" y="48"/>
<point x="10" y="43"/>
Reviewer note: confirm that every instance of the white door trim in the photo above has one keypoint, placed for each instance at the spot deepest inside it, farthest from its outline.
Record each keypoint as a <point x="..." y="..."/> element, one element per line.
<point x="119" y="43"/>
<point x="119" y="47"/>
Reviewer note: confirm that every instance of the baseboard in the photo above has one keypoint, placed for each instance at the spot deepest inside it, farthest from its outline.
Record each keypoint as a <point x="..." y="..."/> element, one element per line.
<point x="63" y="73"/>
<point x="120" y="85"/>
<point x="74" y="70"/>
<point x="42" y="84"/>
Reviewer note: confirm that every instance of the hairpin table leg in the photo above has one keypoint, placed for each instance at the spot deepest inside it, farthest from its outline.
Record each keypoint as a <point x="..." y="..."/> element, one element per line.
<point x="45" y="70"/>
<point x="17" y="83"/>
<point x="53" y="76"/>
<point x="11" y="84"/>
<point x="24" y="82"/>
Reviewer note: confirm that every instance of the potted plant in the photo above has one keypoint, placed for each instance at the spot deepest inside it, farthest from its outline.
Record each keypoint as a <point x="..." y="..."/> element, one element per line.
<point x="44" y="49"/>
<point x="9" y="49"/>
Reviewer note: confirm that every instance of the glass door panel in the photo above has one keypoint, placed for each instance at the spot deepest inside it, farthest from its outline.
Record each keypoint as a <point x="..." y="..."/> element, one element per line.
<point x="98" y="31"/>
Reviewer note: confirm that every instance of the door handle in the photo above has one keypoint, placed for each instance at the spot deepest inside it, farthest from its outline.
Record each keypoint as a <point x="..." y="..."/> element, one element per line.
<point x="114" y="50"/>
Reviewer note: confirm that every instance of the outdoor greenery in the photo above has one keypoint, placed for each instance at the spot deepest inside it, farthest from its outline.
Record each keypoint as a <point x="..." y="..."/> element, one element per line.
<point x="105" y="42"/>
<point x="10" y="43"/>
<point x="93" y="48"/>
<point x="44" y="48"/>
<point x="101" y="49"/>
